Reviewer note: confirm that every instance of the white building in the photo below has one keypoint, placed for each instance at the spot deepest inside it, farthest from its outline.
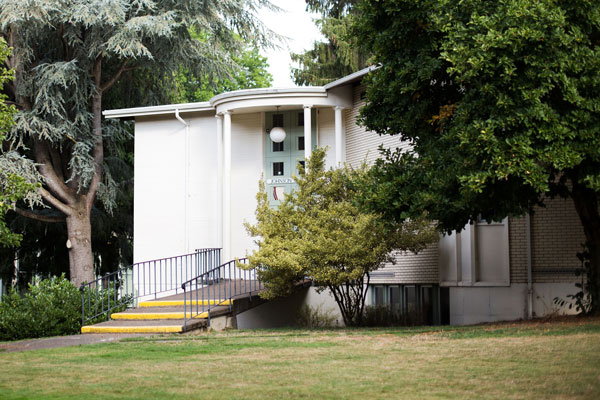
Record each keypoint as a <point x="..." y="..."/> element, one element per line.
<point x="197" y="168"/>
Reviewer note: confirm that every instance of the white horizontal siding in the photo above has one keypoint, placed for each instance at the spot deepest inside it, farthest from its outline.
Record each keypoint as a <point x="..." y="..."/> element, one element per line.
<point x="361" y="144"/>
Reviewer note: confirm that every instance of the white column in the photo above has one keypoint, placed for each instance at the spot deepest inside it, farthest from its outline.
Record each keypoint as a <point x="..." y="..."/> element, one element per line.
<point x="220" y="181"/>
<point x="226" y="186"/>
<point x="339" y="140"/>
<point x="307" y="132"/>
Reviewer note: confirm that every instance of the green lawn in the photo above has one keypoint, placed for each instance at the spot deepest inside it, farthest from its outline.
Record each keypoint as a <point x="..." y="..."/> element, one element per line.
<point x="534" y="360"/>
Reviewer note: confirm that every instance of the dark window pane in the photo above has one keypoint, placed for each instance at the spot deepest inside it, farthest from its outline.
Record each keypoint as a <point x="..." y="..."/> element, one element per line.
<point x="301" y="119"/>
<point x="278" y="120"/>
<point x="395" y="298"/>
<point x="277" y="168"/>
<point x="427" y="306"/>
<point x="411" y="299"/>
<point x="301" y="143"/>
<point x="303" y="164"/>
<point x="379" y="296"/>
<point x="278" y="146"/>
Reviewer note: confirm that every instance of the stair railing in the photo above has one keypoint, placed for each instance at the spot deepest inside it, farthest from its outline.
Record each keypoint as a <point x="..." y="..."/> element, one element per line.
<point x="124" y="287"/>
<point x="217" y="287"/>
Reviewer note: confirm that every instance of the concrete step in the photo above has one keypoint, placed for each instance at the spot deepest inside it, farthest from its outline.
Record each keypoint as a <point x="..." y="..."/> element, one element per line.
<point x="180" y="303"/>
<point x="144" y="326"/>
<point x="137" y="315"/>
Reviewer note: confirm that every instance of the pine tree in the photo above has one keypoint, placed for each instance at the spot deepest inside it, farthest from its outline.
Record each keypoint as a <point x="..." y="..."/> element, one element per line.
<point x="67" y="55"/>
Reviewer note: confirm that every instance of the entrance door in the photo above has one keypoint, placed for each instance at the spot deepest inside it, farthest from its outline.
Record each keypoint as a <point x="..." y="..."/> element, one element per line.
<point x="281" y="159"/>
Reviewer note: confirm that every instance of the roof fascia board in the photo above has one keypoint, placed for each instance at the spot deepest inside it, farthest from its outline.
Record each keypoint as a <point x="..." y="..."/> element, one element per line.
<point x="350" y="78"/>
<point x="158" y="110"/>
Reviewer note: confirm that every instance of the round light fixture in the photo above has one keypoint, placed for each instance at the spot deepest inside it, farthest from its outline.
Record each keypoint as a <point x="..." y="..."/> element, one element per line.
<point x="277" y="134"/>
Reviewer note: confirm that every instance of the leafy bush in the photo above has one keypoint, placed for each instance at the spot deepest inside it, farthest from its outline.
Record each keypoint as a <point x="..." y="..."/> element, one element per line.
<point x="52" y="307"/>
<point x="385" y="316"/>
<point x="315" y="317"/>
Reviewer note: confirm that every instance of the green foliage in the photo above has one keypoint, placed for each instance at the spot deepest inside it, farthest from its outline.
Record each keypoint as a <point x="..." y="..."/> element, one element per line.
<point x="339" y="55"/>
<point x="52" y="307"/>
<point x="315" y="317"/>
<point x="12" y="186"/>
<point x="251" y="73"/>
<point x="499" y="99"/>
<point x="68" y="56"/>
<point x="318" y="231"/>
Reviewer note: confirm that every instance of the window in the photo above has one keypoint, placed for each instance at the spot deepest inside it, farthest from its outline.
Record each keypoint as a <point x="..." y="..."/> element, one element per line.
<point x="301" y="119"/>
<point x="409" y="304"/>
<point x="278" y="120"/>
<point x="278" y="168"/>
<point x="301" y="143"/>
<point x="478" y="255"/>
<point x="277" y="146"/>
<point x="303" y="163"/>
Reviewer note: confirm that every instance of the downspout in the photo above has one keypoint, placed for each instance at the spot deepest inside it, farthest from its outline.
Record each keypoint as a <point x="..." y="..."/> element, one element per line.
<point x="186" y="238"/>
<point x="529" y="267"/>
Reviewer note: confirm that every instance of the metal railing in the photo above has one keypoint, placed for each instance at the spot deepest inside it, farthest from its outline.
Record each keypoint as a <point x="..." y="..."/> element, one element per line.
<point x="217" y="287"/>
<point x="124" y="287"/>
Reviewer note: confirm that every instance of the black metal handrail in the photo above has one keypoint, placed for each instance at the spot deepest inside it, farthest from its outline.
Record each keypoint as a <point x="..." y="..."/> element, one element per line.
<point x="104" y="295"/>
<point x="124" y="287"/>
<point x="217" y="287"/>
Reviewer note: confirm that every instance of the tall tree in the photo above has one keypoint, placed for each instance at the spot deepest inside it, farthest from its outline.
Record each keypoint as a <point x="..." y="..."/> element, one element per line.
<point x="251" y="74"/>
<point x="68" y="54"/>
<point x="13" y="187"/>
<point x="319" y="232"/>
<point x="500" y="100"/>
<point x="339" y="55"/>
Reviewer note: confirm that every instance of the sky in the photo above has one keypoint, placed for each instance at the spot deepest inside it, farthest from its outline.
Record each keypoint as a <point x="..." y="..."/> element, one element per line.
<point x="298" y="26"/>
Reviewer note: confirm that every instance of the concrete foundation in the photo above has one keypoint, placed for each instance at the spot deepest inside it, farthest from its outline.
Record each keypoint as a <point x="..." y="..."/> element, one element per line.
<point x="283" y="312"/>
<point x="472" y="305"/>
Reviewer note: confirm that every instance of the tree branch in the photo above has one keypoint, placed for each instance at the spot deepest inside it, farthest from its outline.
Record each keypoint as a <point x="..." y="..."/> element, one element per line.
<point x="54" y="183"/>
<point x="97" y="126"/>
<point x="38" y="217"/>
<point x="115" y="78"/>
<point x="57" y="164"/>
<point x="54" y="202"/>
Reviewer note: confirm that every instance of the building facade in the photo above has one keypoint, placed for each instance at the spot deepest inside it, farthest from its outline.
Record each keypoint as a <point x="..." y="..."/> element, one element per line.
<point x="197" y="168"/>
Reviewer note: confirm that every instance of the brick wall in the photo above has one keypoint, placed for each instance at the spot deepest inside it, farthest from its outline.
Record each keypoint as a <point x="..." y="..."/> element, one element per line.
<point x="411" y="268"/>
<point x="556" y="238"/>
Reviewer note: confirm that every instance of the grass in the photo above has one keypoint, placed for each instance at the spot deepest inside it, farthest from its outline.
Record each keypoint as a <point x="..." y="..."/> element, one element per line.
<point x="559" y="359"/>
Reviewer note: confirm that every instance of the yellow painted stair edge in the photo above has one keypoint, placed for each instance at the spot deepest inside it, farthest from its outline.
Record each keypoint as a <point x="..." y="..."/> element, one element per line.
<point x="131" y="329"/>
<point x="175" y="303"/>
<point x="173" y="315"/>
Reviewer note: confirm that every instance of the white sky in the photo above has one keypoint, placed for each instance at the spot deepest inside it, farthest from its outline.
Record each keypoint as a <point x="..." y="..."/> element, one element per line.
<point x="298" y="26"/>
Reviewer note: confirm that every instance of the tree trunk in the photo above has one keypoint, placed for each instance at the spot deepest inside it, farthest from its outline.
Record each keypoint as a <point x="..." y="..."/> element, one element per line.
<point x="586" y="204"/>
<point x="79" y="231"/>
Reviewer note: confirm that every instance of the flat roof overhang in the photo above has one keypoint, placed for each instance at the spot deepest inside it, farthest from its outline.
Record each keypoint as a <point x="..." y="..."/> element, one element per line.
<point x="334" y="94"/>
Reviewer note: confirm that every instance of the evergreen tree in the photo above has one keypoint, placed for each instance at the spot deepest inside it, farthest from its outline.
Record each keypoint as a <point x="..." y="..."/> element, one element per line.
<point x="67" y="56"/>
<point x="339" y="55"/>
<point x="13" y="187"/>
